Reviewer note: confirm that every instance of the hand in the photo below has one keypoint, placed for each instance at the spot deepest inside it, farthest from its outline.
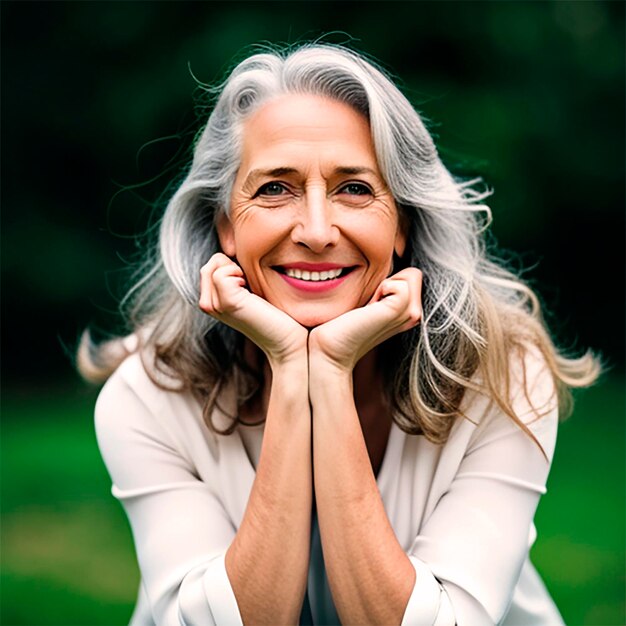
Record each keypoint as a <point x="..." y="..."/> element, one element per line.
<point x="395" y="307"/>
<point x="224" y="296"/>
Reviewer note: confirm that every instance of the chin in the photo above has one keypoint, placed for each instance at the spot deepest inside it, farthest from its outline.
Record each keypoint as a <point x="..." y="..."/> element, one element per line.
<point x="310" y="325"/>
<point x="311" y="319"/>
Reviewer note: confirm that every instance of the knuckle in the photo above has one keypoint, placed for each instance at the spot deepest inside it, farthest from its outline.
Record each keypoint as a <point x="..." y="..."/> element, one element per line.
<point x="207" y="269"/>
<point x="205" y="305"/>
<point x="216" y="261"/>
<point x="415" y="315"/>
<point x="414" y="275"/>
<point x="221" y="271"/>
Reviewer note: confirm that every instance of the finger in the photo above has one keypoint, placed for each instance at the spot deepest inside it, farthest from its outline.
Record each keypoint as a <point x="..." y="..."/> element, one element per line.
<point x="383" y="290"/>
<point x="206" y="302"/>
<point x="206" y="282"/>
<point x="413" y="278"/>
<point x="390" y="287"/>
<point x="226" y="285"/>
<point x="405" y="296"/>
<point x="401" y="294"/>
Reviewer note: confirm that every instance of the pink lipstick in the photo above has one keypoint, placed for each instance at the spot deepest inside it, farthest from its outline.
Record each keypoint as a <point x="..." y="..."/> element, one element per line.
<point x="314" y="277"/>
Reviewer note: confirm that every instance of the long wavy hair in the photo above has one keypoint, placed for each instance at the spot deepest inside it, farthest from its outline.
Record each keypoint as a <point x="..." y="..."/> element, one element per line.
<point x="478" y="316"/>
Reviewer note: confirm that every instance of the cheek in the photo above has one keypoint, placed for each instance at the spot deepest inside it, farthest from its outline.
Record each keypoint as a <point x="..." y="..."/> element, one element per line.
<point x="248" y="255"/>
<point x="254" y="240"/>
<point x="379" y="255"/>
<point x="377" y="244"/>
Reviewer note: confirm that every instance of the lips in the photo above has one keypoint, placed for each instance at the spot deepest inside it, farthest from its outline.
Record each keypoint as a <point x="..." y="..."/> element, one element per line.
<point x="314" y="277"/>
<point x="312" y="267"/>
<point x="314" y="272"/>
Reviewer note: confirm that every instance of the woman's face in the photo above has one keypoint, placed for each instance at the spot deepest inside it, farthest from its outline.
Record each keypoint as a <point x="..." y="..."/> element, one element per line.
<point x="312" y="222"/>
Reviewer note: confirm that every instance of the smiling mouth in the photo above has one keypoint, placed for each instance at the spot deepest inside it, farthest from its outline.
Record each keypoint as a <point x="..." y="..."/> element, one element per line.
<point x="315" y="276"/>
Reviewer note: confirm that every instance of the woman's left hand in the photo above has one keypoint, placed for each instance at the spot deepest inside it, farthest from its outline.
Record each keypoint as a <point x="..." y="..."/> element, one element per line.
<point x="395" y="307"/>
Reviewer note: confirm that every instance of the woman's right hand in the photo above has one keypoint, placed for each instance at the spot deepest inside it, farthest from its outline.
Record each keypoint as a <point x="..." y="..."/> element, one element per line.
<point x="224" y="296"/>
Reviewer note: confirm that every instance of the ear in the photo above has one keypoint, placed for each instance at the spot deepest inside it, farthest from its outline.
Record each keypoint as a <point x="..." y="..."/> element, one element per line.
<point x="226" y="235"/>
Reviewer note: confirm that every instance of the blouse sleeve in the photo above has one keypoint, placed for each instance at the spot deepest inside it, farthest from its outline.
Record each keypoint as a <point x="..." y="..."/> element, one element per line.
<point x="470" y="551"/>
<point x="180" y="529"/>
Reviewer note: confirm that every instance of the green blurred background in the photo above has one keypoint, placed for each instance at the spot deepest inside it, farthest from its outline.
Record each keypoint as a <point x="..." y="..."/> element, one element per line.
<point x="98" y="113"/>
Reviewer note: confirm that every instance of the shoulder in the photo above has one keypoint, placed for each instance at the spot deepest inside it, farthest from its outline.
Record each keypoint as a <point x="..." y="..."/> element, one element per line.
<point x="130" y="379"/>
<point x="132" y="406"/>
<point x="532" y="397"/>
<point x="148" y="435"/>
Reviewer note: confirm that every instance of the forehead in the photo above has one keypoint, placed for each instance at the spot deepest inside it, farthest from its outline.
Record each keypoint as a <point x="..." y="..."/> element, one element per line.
<point x="305" y="127"/>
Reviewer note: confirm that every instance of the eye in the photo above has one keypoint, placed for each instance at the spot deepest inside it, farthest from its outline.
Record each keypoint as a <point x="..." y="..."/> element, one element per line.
<point x="271" y="189"/>
<point x="356" y="189"/>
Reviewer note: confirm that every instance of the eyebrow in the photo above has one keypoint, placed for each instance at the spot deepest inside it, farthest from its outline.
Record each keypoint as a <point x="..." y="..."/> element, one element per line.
<point x="283" y="171"/>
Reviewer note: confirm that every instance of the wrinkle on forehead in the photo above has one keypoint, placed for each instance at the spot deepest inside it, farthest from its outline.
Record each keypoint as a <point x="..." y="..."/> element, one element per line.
<point x="277" y="172"/>
<point x="294" y="121"/>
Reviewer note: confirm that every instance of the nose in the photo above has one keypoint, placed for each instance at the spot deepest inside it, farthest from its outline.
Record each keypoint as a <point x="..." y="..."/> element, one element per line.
<point x="316" y="228"/>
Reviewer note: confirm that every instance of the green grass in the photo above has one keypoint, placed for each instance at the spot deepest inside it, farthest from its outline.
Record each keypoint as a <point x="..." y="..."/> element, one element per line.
<point x="581" y="520"/>
<point x="67" y="555"/>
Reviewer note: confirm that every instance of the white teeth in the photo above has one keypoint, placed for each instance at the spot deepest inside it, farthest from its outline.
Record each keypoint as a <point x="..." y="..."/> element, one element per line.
<point x="313" y="276"/>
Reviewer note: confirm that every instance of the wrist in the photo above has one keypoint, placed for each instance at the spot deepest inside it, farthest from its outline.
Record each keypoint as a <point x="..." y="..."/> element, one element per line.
<point x="293" y="360"/>
<point x="291" y="353"/>
<point x="293" y="366"/>
<point x="324" y="358"/>
<point x="289" y="392"/>
<point x="325" y="373"/>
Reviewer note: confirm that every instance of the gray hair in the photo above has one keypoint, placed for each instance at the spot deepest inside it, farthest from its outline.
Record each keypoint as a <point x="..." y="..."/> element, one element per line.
<point x="467" y="295"/>
<point x="405" y="151"/>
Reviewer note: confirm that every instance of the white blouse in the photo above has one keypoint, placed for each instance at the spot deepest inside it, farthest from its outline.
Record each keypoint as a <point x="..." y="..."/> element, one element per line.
<point x="463" y="512"/>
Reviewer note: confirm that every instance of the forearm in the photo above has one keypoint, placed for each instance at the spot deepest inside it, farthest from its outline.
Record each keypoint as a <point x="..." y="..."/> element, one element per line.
<point x="267" y="563"/>
<point x="370" y="576"/>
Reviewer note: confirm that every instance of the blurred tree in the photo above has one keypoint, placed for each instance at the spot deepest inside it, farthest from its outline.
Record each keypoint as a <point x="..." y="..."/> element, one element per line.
<point x="99" y="114"/>
<point x="99" y="110"/>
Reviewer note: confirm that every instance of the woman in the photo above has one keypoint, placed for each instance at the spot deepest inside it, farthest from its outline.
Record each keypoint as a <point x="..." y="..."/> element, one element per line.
<point x="357" y="421"/>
